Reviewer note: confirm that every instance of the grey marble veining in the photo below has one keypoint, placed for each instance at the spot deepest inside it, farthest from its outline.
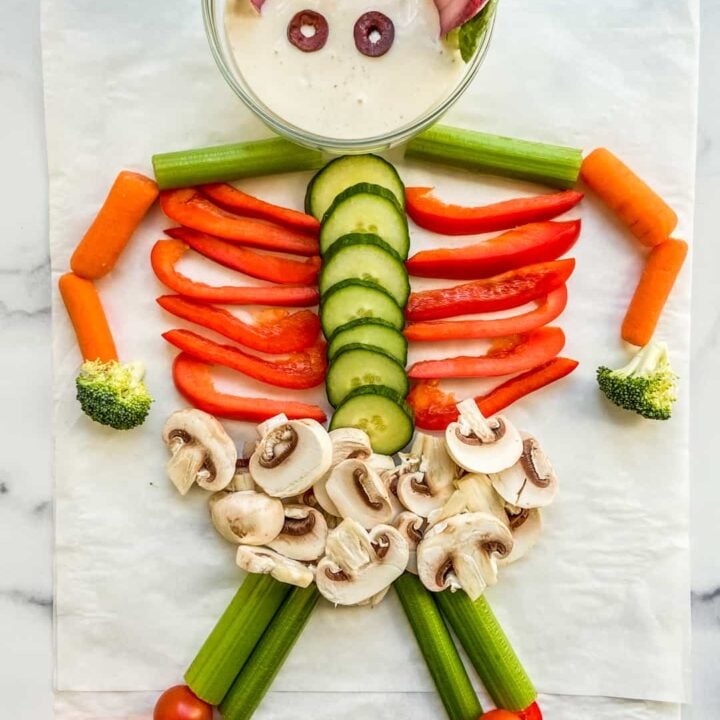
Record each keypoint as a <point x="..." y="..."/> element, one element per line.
<point x="26" y="388"/>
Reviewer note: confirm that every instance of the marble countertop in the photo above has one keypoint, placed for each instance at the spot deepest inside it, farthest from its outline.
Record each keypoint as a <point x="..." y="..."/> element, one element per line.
<point x="26" y="388"/>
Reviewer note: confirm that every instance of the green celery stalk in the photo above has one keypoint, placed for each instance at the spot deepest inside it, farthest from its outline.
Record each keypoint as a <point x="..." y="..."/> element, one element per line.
<point x="447" y="670"/>
<point x="232" y="162"/>
<point x="553" y="165"/>
<point x="268" y="657"/>
<point x="489" y="650"/>
<point x="233" y="639"/>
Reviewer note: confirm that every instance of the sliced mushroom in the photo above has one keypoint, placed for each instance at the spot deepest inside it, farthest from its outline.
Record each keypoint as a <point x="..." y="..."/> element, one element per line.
<point x="375" y="600"/>
<point x="321" y="495"/>
<point x="265" y="427"/>
<point x="412" y="527"/>
<point x="290" y="457"/>
<point x="359" y="493"/>
<point x="350" y="443"/>
<point x="431" y="485"/>
<point x="358" y="565"/>
<point x="390" y="481"/>
<point x="381" y="463"/>
<point x="531" y="482"/>
<point x="482" y="445"/>
<point x="247" y="517"/>
<point x="454" y="505"/>
<point x="526" y="527"/>
<point x="462" y="552"/>
<point x="267" y="562"/>
<point x="202" y="452"/>
<point x="303" y="534"/>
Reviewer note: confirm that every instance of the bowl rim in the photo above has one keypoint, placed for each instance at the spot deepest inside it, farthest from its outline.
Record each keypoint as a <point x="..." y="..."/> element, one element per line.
<point x="215" y="33"/>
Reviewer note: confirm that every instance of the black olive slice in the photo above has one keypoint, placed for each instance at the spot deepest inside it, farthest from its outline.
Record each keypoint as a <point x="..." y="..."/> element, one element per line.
<point x="308" y="31"/>
<point x="374" y="33"/>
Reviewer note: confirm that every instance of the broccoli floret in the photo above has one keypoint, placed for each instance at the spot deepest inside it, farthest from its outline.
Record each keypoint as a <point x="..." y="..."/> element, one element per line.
<point x="647" y="385"/>
<point x="113" y="394"/>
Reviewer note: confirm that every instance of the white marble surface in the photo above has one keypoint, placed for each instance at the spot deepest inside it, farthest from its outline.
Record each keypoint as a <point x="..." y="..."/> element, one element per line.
<point x="26" y="392"/>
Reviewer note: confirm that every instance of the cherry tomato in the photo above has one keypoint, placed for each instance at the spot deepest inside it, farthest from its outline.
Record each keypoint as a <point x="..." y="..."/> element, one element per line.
<point x="499" y="715"/>
<point x="531" y="713"/>
<point x="179" y="703"/>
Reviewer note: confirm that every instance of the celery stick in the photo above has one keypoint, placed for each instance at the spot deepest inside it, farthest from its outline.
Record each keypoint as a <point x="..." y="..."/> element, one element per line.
<point x="489" y="650"/>
<point x="446" y="667"/>
<point x="268" y="657"/>
<point x="231" y="641"/>
<point x="549" y="164"/>
<point x="232" y="162"/>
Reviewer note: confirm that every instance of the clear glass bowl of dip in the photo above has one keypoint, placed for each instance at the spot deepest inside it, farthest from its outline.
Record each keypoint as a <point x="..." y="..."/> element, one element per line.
<point x="220" y="45"/>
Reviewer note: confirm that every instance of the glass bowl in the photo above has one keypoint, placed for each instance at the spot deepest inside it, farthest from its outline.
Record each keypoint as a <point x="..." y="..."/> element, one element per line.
<point x="213" y="16"/>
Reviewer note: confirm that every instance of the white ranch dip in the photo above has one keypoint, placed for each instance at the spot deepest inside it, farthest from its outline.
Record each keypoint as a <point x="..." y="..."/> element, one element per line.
<point x="337" y="91"/>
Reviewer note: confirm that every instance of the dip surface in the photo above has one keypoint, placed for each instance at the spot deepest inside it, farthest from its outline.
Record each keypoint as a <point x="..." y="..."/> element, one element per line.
<point x="337" y="91"/>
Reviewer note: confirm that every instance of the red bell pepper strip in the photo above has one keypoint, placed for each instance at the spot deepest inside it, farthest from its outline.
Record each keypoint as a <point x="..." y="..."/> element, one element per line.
<point x="273" y="268"/>
<point x="274" y="331"/>
<point x="433" y="214"/>
<point x="297" y="371"/>
<point x="528" y="244"/>
<point x="165" y="255"/>
<point x="188" y="207"/>
<point x="435" y="409"/>
<point x="532" y="712"/>
<point x="548" y="309"/>
<point x="237" y="201"/>
<point x="193" y="379"/>
<point x="517" y="353"/>
<point x="501" y="292"/>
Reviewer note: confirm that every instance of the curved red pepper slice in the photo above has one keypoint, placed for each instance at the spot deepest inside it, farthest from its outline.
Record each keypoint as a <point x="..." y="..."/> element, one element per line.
<point x="188" y="207"/>
<point x="273" y="268"/>
<point x="533" y="243"/>
<point x="274" y="331"/>
<point x="433" y="214"/>
<point x="237" y="201"/>
<point x="506" y="356"/>
<point x="166" y="253"/>
<point x="532" y="712"/>
<point x="548" y="309"/>
<point x="501" y="292"/>
<point x="193" y="380"/>
<point x="435" y="409"/>
<point x="298" y="371"/>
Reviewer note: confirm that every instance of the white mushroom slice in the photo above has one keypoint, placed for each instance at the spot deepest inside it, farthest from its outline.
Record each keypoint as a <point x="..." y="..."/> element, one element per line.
<point x="429" y="488"/>
<point x="350" y="443"/>
<point x="482" y="445"/>
<point x="321" y="495"/>
<point x="247" y="517"/>
<point x="359" y="493"/>
<point x="291" y="457"/>
<point x="390" y="481"/>
<point x="526" y="527"/>
<point x="375" y="600"/>
<point x="270" y="424"/>
<point x="303" y="534"/>
<point x="456" y="504"/>
<point x="202" y="452"/>
<point x="381" y="463"/>
<point x="531" y="482"/>
<point x="477" y="489"/>
<point x="461" y="553"/>
<point x="263" y="561"/>
<point x="412" y="527"/>
<point x="359" y="565"/>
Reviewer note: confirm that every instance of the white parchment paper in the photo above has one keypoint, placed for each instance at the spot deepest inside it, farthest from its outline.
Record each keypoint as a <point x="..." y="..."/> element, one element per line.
<point x="601" y="606"/>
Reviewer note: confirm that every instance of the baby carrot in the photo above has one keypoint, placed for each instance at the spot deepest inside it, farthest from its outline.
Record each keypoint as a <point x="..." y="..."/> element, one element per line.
<point x="661" y="270"/>
<point x="88" y="318"/>
<point x="127" y="203"/>
<point x="649" y="218"/>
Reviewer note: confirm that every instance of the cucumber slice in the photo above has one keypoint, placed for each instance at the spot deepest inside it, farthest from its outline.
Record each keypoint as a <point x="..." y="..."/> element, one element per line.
<point x="381" y="413"/>
<point x="358" y="365"/>
<point x="370" y="332"/>
<point x="344" y="172"/>
<point x="365" y="208"/>
<point x="363" y="256"/>
<point x="353" y="299"/>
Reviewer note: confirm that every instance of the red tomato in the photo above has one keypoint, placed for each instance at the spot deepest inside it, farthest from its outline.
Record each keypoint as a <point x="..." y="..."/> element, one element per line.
<point x="499" y="715"/>
<point x="531" y="713"/>
<point x="179" y="703"/>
